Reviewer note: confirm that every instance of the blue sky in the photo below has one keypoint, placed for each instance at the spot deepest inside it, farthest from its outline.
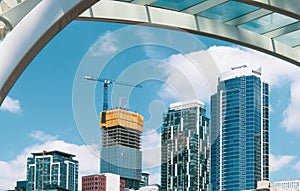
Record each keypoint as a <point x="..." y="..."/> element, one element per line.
<point x="48" y="108"/>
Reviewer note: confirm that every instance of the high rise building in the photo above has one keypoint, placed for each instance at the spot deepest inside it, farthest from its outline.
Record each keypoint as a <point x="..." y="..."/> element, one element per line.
<point x="239" y="130"/>
<point x="103" y="182"/>
<point x="185" y="147"/>
<point x="52" y="169"/>
<point x="121" y="145"/>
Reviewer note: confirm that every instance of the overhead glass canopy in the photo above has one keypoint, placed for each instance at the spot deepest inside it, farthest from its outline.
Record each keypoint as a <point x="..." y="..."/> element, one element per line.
<point x="177" y="5"/>
<point x="227" y="11"/>
<point x="292" y="39"/>
<point x="276" y="20"/>
<point x="268" y="23"/>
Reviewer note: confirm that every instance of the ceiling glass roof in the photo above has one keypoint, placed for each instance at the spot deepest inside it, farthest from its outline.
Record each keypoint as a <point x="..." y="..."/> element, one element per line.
<point x="271" y="26"/>
<point x="177" y="5"/>
<point x="268" y="23"/>
<point x="292" y="39"/>
<point x="276" y="20"/>
<point x="227" y="11"/>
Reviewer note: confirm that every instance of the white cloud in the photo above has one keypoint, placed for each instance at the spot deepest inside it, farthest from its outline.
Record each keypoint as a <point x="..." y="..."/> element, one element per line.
<point x="151" y="156"/>
<point x="271" y="108"/>
<point x="291" y="114"/>
<point x="145" y="35"/>
<point x="185" y="80"/>
<point x="297" y="166"/>
<point x="278" y="162"/>
<point x="154" y="178"/>
<point x="151" y="136"/>
<point x="41" y="136"/>
<point x="11" y="105"/>
<point x="150" y="139"/>
<point x="13" y="170"/>
<point x="152" y="51"/>
<point x="105" y="45"/>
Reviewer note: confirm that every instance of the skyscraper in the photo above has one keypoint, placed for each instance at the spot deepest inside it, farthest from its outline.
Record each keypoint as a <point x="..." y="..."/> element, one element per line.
<point x="239" y="130"/>
<point x="185" y="147"/>
<point x="52" y="169"/>
<point x="121" y="144"/>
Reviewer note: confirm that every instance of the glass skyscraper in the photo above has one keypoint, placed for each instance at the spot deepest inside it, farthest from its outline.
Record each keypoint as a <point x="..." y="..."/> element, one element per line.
<point x="185" y="147"/>
<point x="121" y="145"/>
<point x="239" y="130"/>
<point x="46" y="170"/>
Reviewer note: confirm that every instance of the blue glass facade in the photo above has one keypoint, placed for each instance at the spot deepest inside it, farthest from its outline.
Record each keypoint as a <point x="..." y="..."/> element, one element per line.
<point x="52" y="169"/>
<point x="122" y="160"/>
<point x="239" y="133"/>
<point x="185" y="148"/>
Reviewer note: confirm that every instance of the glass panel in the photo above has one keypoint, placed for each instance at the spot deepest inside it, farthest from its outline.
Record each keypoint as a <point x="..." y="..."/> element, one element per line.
<point x="178" y="5"/>
<point x="228" y="11"/>
<point x="292" y="39"/>
<point x="268" y="23"/>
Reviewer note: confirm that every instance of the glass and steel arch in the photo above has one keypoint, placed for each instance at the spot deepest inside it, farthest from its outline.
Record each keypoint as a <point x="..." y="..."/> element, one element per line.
<point x="270" y="26"/>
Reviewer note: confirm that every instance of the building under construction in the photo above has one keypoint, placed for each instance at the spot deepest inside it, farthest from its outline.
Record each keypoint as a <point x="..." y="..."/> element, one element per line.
<point x="121" y="145"/>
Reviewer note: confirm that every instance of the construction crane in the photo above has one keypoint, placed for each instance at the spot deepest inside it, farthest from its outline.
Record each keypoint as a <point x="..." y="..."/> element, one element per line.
<point x="106" y="83"/>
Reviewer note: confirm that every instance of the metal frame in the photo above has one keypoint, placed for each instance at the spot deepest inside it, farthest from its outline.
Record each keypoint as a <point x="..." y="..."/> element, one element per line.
<point x="138" y="14"/>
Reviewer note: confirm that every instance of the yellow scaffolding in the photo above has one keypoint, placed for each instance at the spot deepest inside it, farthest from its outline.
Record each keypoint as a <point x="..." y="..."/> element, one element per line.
<point x="121" y="117"/>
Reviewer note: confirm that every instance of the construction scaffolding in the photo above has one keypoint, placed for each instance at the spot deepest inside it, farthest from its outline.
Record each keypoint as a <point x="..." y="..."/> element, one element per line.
<point x="123" y="118"/>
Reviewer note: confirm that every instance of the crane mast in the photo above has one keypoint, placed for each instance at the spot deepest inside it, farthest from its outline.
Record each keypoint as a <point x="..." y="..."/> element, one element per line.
<point x="105" y="96"/>
<point x="106" y="83"/>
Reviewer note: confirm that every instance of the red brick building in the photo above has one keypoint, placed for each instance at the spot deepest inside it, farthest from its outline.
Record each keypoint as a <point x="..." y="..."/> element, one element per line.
<point x="104" y="182"/>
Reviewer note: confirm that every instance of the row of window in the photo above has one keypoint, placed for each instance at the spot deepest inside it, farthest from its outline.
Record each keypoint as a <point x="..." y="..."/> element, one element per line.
<point x="93" y="188"/>
<point x="94" y="183"/>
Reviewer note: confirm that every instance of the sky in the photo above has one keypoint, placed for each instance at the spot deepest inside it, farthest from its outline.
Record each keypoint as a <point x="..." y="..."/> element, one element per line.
<point x="51" y="107"/>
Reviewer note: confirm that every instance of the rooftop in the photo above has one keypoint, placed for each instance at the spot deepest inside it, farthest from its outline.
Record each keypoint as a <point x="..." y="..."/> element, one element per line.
<point x="239" y="71"/>
<point x="186" y="104"/>
<point x="55" y="152"/>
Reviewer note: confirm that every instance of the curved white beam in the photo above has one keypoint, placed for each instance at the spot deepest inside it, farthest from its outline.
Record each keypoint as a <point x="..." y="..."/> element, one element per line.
<point x="138" y="14"/>
<point x="31" y="34"/>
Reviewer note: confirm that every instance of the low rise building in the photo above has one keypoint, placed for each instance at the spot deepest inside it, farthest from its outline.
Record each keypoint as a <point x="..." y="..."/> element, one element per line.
<point x="288" y="185"/>
<point x="103" y="182"/>
<point x="153" y="187"/>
